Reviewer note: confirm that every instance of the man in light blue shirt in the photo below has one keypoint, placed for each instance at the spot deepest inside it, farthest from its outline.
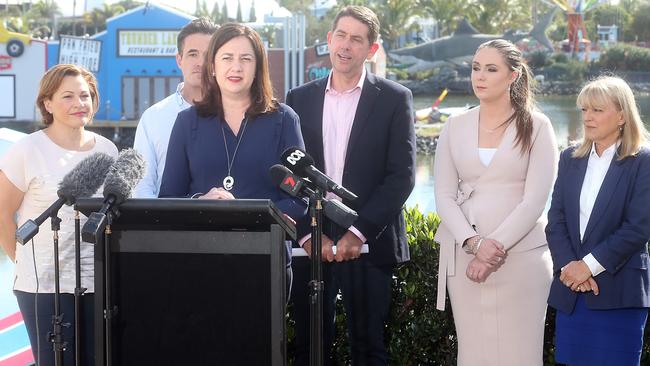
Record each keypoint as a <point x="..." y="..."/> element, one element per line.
<point x="155" y="126"/>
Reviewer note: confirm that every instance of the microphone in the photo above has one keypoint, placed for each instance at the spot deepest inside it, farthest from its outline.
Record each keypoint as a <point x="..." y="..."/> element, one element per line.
<point x="122" y="177"/>
<point x="295" y="186"/>
<point x="82" y="181"/>
<point x="301" y="163"/>
<point x="290" y="183"/>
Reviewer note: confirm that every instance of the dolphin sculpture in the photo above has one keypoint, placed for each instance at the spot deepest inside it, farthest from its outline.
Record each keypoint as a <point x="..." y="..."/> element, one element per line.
<point x="460" y="46"/>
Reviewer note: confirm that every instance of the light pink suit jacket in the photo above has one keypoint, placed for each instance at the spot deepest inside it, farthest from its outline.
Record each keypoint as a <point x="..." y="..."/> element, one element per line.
<point x="503" y="201"/>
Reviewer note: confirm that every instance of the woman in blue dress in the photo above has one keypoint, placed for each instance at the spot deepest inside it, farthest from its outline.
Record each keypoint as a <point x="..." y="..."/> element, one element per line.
<point x="224" y="146"/>
<point x="598" y="230"/>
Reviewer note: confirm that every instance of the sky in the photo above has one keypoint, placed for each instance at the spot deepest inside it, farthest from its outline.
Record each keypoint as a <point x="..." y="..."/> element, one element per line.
<point x="189" y="6"/>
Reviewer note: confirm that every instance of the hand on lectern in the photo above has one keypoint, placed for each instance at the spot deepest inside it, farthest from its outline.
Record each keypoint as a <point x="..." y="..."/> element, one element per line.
<point x="326" y="253"/>
<point x="217" y="193"/>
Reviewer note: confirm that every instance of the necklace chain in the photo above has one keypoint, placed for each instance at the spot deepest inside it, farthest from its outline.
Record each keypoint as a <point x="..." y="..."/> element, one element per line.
<point x="492" y="130"/>
<point x="229" y="181"/>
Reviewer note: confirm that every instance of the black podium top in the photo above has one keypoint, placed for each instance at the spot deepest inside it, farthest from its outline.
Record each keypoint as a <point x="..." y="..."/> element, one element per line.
<point x="193" y="214"/>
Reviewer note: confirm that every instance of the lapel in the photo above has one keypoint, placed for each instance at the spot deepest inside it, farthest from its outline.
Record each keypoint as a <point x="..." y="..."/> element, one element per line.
<point x="369" y="95"/>
<point x="574" y="178"/>
<point x="317" y="118"/>
<point x="605" y="193"/>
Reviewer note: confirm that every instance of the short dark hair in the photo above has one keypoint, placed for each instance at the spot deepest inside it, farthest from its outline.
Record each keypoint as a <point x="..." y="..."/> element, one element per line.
<point x="198" y="25"/>
<point x="262" y="100"/>
<point x="362" y="14"/>
<point x="51" y="82"/>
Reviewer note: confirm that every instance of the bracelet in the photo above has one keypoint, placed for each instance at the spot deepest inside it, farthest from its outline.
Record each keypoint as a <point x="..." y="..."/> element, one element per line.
<point x="478" y="245"/>
<point x="471" y="247"/>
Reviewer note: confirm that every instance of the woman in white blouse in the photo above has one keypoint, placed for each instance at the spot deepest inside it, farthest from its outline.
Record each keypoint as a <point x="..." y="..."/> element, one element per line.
<point x="29" y="176"/>
<point x="598" y="231"/>
<point x="494" y="169"/>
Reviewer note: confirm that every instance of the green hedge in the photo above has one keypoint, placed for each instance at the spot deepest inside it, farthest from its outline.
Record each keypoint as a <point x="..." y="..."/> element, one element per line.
<point x="417" y="333"/>
<point x="624" y="57"/>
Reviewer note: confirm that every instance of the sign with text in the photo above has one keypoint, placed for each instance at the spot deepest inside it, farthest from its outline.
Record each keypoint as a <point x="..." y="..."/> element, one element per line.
<point x="81" y="52"/>
<point x="147" y="43"/>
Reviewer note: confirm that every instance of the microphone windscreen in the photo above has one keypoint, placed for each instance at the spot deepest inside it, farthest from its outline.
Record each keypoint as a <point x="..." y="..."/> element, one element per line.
<point x="85" y="178"/>
<point x="277" y="173"/>
<point x="124" y="175"/>
<point x="296" y="159"/>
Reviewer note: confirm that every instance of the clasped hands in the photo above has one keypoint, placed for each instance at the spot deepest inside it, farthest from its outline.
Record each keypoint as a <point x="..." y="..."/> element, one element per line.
<point x="347" y="248"/>
<point x="217" y="193"/>
<point x="487" y="259"/>
<point x="577" y="276"/>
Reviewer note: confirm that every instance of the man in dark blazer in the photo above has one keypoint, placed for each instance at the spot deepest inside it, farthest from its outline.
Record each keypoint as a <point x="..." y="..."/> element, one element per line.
<point x="359" y="129"/>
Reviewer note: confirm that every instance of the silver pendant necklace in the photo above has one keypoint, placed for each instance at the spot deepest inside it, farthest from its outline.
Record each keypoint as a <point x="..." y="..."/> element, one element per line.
<point x="229" y="181"/>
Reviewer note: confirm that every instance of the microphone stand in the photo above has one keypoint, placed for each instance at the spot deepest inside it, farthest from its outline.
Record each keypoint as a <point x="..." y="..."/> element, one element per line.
<point x="78" y="291"/>
<point x="316" y="284"/>
<point x="110" y="310"/>
<point x="56" y="336"/>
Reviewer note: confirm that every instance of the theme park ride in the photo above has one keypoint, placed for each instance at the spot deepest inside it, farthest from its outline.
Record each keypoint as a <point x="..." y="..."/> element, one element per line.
<point x="576" y="32"/>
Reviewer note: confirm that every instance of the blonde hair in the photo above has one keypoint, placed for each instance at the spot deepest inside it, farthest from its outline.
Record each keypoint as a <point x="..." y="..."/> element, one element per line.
<point x="610" y="89"/>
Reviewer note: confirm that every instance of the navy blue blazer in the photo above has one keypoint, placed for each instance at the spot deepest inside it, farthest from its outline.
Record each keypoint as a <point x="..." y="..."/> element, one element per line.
<point x="617" y="233"/>
<point x="380" y="160"/>
<point x="196" y="157"/>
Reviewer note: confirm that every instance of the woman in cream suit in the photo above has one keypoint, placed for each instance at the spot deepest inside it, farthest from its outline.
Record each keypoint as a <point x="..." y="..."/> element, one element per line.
<point x="494" y="170"/>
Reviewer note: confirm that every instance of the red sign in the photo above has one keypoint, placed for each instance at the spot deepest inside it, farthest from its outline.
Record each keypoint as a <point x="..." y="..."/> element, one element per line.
<point x="5" y="62"/>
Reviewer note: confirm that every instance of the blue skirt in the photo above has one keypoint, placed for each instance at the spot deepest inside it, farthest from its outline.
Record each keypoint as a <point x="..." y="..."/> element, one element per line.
<point x="599" y="337"/>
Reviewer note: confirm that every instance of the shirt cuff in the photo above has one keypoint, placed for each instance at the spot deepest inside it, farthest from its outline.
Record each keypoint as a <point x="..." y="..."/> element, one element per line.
<point x="594" y="266"/>
<point x="356" y="232"/>
<point x="302" y="241"/>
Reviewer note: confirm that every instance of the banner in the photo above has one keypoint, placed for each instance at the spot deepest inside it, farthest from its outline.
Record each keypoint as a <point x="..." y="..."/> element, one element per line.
<point x="80" y="51"/>
<point x="147" y="43"/>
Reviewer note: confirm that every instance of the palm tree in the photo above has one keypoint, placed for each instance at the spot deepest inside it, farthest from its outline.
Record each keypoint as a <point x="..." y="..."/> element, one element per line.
<point x="98" y="17"/>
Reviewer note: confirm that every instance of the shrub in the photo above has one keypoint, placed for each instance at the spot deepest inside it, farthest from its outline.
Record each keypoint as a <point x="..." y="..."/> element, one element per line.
<point x="417" y="333"/>
<point x="625" y="57"/>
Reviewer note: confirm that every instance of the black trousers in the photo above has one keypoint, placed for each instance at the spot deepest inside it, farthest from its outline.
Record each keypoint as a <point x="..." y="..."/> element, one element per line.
<point x="366" y="296"/>
<point x="41" y="346"/>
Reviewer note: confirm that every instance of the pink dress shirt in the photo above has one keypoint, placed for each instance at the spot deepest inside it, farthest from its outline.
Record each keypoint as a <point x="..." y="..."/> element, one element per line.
<point x="339" y="109"/>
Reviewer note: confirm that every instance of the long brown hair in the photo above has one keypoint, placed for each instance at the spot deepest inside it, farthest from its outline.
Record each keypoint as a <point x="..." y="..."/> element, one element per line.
<point x="521" y="91"/>
<point x="51" y="82"/>
<point x="262" y="100"/>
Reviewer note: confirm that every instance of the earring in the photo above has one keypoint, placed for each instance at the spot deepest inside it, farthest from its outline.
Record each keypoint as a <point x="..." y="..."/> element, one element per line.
<point x="213" y="74"/>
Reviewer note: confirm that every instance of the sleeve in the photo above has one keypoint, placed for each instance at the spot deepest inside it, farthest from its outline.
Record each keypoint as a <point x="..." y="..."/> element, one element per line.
<point x="633" y="234"/>
<point x="147" y="187"/>
<point x="557" y="232"/>
<point x="388" y="198"/>
<point x="295" y="207"/>
<point x="541" y="173"/>
<point x="594" y="266"/>
<point x="176" y="176"/>
<point x="446" y="188"/>
<point x="12" y="164"/>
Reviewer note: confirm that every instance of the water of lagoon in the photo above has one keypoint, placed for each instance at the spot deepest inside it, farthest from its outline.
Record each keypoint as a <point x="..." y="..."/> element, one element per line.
<point x="561" y="110"/>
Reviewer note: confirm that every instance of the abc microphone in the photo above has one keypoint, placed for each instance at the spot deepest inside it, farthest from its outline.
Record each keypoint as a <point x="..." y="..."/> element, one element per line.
<point x="301" y="163"/>
<point x="295" y="186"/>
<point x="82" y="181"/>
<point x="122" y="177"/>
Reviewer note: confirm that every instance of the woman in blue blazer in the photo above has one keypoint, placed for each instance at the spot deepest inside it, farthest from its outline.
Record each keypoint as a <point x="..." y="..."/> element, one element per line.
<point x="598" y="230"/>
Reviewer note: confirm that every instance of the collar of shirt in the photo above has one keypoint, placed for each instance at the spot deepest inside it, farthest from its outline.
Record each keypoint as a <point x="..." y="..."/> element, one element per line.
<point x="330" y="90"/>
<point x="608" y="154"/>
<point x="179" y="96"/>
